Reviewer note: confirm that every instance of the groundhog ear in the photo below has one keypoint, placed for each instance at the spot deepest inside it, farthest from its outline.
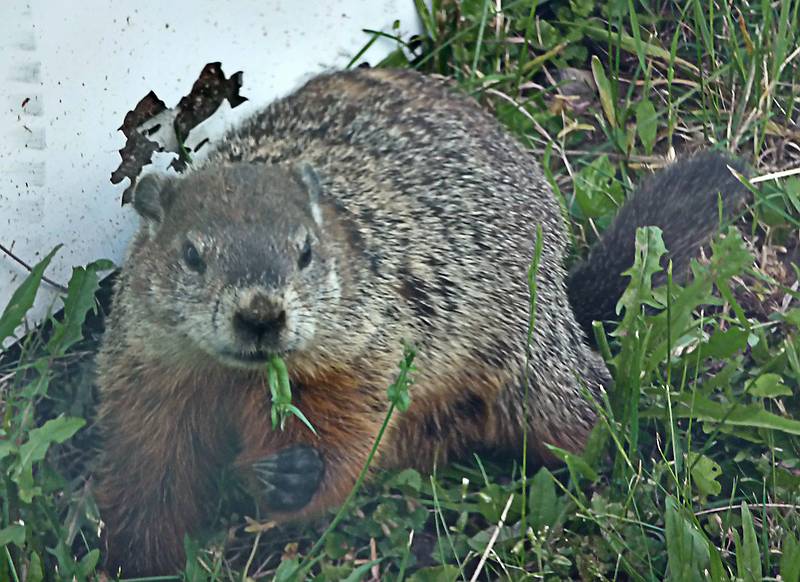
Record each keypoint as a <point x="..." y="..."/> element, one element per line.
<point x="308" y="177"/>
<point x="149" y="197"/>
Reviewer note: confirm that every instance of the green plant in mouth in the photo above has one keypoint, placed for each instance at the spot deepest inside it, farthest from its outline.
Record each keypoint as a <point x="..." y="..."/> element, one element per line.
<point x="281" y="394"/>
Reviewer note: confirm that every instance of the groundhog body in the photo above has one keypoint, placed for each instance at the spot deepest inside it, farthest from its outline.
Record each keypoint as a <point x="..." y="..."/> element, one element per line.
<point x="368" y="209"/>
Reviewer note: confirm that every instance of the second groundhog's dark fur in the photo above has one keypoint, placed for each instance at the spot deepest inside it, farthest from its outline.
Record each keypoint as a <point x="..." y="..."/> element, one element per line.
<point x="369" y="208"/>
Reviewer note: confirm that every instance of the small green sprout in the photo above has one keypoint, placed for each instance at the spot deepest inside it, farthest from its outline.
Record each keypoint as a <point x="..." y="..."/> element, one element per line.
<point x="281" y="392"/>
<point x="398" y="390"/>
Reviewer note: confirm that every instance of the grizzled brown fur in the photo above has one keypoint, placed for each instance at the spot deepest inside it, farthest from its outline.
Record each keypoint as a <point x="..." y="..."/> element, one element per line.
<point x="368" y="208"/>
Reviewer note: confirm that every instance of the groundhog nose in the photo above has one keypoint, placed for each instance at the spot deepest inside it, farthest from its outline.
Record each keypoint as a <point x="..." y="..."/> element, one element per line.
<point x="259" y="324"/>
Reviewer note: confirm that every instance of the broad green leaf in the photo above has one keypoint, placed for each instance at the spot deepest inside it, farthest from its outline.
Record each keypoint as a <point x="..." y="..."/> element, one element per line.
<point x="730" y="257"/>
<point x="287" y="570"/>
<point x="88" y="564"/>
<point x="724" y="344"/>
<point x="39" y="440"/>
<point x="26" y="487"/>
<point x="80" y="299"/>
<point x="649" y="250"/>
<point x="598" y="194"/>
<point x="705" y="473"/>
<point x="582" y="8"/>
<point x="715" y="567"/>
<point x="329" y="571"/>
<point x="408" y="479"/>
<point x="647" y="124"/>
<point x="769" y="386"/>
<point x="35" y="448"/>
<point x="634" y="333"/>
<point x="194" y="571"/>
<point x="358" y="574"/>
<point x="748" y="557"/>
<point x="396" y="59"/>
<point x="792" y="190"/>
<point x="35" y="572"/>
<point x="792" y="316"/>
<point x="336" y="545"/>
<point x="13" y="534"/>
<point x="790" y="558"/>
<point x="687" y="547"/>
<point x="576" y="465"/>
<point x="542" y="501"/>
<point x="492" y="500"/>
<point x="446" y="573"/>
<point x="481" y="540"/>
<point x="6" y="448"/>
<point x="604" y="90"/>
<point x="22" y="299"/>
<point x="695" y="405"/>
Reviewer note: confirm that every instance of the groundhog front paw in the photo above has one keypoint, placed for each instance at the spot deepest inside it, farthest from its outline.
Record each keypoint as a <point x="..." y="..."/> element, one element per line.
<point x="290" y="477"/>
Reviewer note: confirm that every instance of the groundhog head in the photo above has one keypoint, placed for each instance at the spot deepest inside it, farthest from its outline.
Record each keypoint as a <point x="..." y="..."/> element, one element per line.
<point x="234" y="259"/>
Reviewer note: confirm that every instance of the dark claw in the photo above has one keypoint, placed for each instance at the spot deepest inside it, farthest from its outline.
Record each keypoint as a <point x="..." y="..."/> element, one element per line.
<point x="290" y="477"/>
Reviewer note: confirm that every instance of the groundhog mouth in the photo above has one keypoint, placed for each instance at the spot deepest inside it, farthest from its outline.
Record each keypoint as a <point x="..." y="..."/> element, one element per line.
<point x="249" y="357"/>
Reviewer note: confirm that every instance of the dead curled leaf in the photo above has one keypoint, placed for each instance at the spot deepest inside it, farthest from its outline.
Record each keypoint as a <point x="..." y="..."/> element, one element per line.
<point x="208" y="92"/>
<point x="151" y="127"/>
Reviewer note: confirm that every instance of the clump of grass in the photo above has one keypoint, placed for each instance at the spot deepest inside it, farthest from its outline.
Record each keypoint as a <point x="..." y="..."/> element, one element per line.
<point x="42" y="515"/>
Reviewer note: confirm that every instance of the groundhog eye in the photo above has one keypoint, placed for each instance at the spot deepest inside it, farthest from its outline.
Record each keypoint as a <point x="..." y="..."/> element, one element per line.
<point x="192" y="257"/>
<point x="305" y="255"/>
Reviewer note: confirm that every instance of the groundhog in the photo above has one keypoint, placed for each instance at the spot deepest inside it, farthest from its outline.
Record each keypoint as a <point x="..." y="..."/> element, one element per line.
<point x="367" y="209"/>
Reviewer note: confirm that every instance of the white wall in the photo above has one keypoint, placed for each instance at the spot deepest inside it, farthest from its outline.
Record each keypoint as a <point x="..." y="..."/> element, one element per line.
<point x="82" y="65"/>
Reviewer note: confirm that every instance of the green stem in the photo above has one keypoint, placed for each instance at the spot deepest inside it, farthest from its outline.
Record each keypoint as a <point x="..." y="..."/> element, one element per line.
<point x="479" y="43"/>
<point x="361" y="476"/>
<point x="533" y="288"/>
<point x="11" y="565"/>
